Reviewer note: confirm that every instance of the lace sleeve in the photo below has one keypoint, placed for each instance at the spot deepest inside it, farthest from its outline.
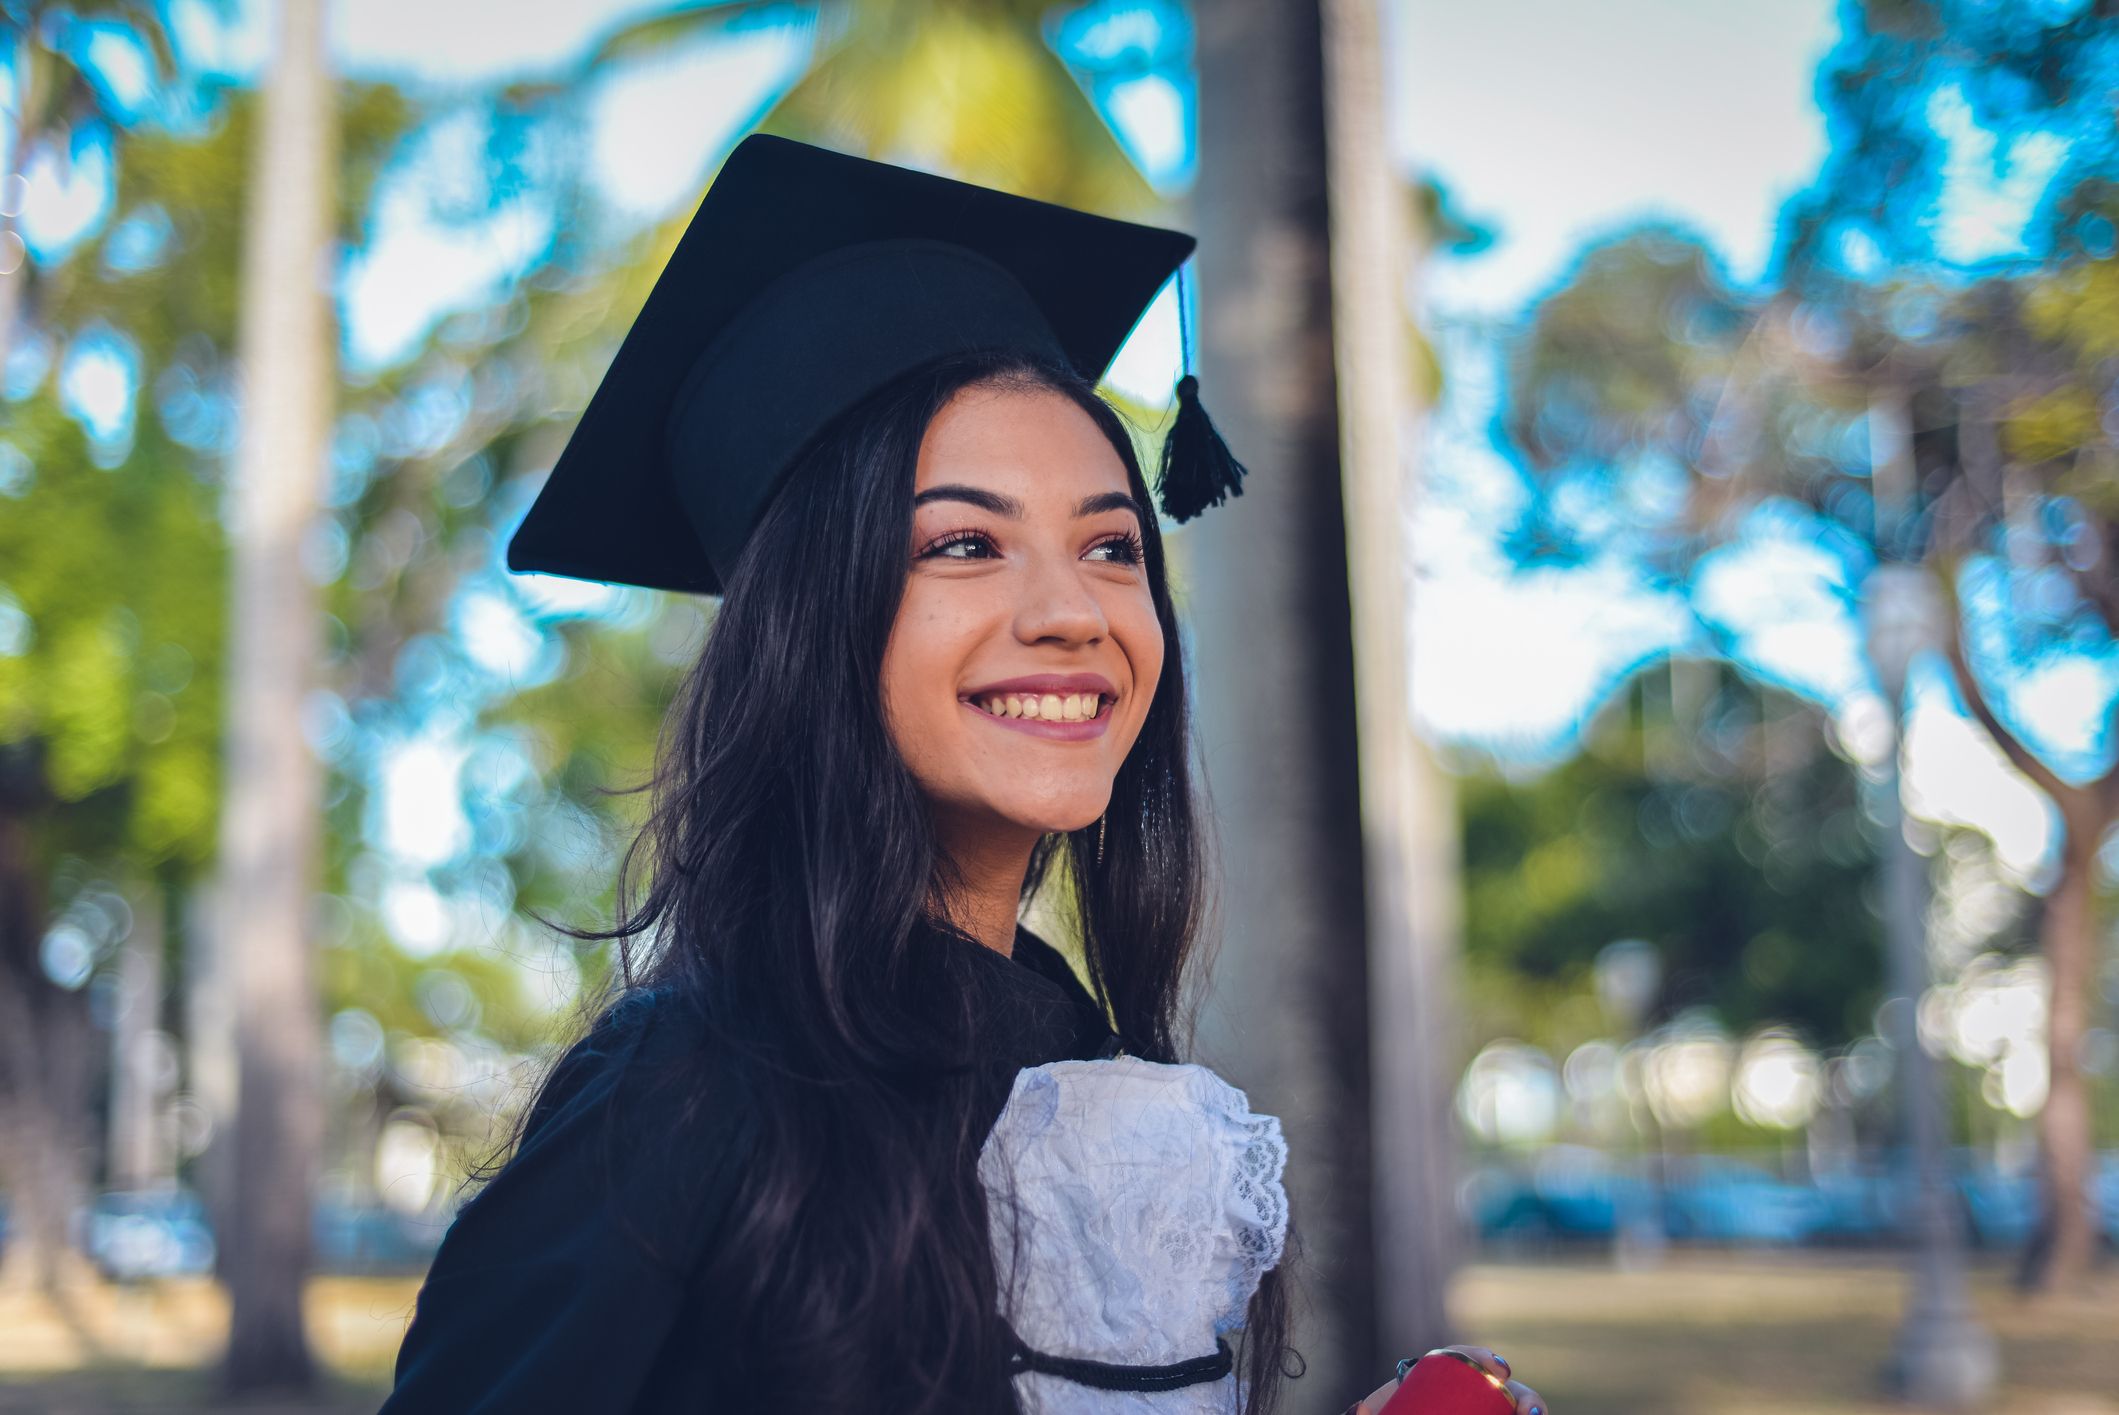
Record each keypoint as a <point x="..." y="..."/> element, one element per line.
<point x="1135" y="1206"/>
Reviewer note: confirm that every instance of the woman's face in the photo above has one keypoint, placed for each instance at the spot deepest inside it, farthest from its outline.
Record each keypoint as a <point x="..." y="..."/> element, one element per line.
<point x="1026" y="649"/>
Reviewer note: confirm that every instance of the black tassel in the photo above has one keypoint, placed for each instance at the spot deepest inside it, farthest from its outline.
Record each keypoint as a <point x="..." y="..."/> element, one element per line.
<point x="1197" y="469"/>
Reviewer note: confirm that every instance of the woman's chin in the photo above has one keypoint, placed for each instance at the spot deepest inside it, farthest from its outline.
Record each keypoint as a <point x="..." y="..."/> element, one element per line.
<point x="1052" y="820"/>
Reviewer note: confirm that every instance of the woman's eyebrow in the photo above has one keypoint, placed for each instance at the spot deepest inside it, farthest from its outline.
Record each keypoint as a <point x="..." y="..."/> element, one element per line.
<point x="1002" y="505"/>
<point x="985" y="500"/>
<point x="1109" y="501"/>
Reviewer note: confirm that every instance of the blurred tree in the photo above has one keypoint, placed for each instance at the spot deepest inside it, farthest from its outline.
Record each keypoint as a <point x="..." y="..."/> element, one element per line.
<point x="66" y="738"/>
<point x="1936" y="391"/>
<point x="61" y="98"/>
<point x="108" y="724"/>
<point x="1725" y="834"/>
<point x="112" y="580"/>
<point x="272" y="817"/>
<point x="967" y="87"/>
<point x="1990" y="399"/>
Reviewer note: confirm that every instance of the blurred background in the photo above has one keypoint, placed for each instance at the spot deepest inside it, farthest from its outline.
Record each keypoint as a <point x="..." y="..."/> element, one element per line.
<point x="1657" y="685"/>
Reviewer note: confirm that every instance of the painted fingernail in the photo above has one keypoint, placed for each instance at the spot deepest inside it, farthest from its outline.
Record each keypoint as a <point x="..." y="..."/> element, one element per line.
<point x="1537" y="1410"/>
<point x="1504" y="1363"/>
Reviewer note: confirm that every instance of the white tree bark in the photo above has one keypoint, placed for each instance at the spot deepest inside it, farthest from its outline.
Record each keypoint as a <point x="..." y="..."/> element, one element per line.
<point x="271" y="819"/>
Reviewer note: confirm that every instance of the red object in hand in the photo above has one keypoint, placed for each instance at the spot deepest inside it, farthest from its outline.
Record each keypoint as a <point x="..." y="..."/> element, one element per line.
<point x="1446" y="1383"/>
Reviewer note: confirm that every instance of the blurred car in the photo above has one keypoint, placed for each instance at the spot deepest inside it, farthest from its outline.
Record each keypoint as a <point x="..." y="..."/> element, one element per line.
<point x="1855" y="1206"/>
<point x="1718" y="1200"/>
<point x="130" y="1235"/>
<point x="2107" y="1193"/>
<point x="370" y="1238"/>
<point x="1584" y="1193"/>
<point x="2001" y="1210"/>
<point x="1498" y="1204"/>
<point x="1573" y="1192"/>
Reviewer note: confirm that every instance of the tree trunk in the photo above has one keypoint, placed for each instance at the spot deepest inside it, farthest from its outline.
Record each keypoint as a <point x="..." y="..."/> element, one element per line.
<point x="209" y="1053"/>
<point x="2065" y="1245"/>
<point x="2060" y="1253"/>
<point x="137" y="1159"/>
<point x="1407" y="806"/>
<point x="1265" y="581"/>
<point x="271" y="820"/>
<point x="43" y="1067"/>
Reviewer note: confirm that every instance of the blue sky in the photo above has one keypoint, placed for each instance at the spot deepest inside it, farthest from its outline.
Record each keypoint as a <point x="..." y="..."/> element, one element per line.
<point x="1562" y="121"/>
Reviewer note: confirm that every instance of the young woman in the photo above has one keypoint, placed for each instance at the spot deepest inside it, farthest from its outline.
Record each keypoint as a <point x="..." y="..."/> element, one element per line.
<point x="851" y="1138"/>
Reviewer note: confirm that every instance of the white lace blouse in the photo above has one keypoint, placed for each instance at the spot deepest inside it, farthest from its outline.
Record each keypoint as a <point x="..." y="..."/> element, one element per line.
<point x="1134" y="1207"/>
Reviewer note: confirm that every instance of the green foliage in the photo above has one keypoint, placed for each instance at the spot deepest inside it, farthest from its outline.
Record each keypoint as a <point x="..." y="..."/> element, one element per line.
<point x="2052" y="425"/>
<point x="1618" y="354"/>
<point x="120" y="575"/>
<point x="2077" y="307"/>
<point x="1750" y="879"/>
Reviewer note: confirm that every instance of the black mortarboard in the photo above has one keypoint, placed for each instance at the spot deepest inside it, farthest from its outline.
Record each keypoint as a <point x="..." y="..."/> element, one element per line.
<point x="807" y="280"/>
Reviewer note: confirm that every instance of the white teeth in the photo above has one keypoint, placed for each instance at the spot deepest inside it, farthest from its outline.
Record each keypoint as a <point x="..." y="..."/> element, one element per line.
<point x="1043" y="707"/>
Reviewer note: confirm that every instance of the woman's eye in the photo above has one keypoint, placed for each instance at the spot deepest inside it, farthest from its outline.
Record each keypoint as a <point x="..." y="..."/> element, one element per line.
<point x="1124" y="550"/>
<point x="953" y="547"/>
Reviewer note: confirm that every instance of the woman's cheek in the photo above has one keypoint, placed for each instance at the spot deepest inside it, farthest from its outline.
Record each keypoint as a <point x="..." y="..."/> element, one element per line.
<point x="1144" y="652"/>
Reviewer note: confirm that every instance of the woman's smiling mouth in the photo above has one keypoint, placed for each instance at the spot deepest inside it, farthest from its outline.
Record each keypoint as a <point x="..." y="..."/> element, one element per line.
<point x="1067" y="707"/>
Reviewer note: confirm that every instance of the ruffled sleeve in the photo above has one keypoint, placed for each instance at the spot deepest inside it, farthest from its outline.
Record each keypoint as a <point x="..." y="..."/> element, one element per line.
<point x="1134" y="1208"/>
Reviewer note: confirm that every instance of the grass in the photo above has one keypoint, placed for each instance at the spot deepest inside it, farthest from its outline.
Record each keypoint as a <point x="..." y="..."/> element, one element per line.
<point x="1768" y="1334"/>
<point x="151" y="1347"/>
<point x="1728" y="1333"/>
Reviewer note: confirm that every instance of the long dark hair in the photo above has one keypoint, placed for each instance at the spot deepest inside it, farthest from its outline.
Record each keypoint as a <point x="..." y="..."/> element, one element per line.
<point x="793" y="884"/>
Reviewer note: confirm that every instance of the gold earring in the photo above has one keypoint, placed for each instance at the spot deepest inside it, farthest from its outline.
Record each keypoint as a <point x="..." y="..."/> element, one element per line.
<point x="1099" y="840"/>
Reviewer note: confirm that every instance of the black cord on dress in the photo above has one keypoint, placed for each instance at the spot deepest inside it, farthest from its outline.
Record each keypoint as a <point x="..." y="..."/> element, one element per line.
<point x="1105" y="1375"/>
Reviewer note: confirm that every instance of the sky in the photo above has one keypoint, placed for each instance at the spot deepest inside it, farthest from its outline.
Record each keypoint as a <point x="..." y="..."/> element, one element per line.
<point x="1561" y="121"/>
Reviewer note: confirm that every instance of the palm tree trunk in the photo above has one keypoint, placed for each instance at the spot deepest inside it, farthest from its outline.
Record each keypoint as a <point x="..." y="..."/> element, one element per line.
<point x="1266" y="596"/>
<point x="271" y="820"/>
<point x="1408" y="809"/>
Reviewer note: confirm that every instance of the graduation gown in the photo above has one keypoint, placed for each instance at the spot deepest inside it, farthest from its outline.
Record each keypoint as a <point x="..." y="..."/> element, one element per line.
<point x="566" y="1282"/>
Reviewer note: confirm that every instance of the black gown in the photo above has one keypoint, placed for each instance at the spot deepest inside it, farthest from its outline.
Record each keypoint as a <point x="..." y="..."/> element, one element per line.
<point x="542" y="1295"/>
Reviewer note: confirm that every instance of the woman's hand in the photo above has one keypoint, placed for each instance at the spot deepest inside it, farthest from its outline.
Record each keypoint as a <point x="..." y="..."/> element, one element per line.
<point x="1528" y="1401"/>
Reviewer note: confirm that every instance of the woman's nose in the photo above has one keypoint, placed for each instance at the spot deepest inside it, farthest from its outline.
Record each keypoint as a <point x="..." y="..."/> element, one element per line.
<point x="1057" y="603"/>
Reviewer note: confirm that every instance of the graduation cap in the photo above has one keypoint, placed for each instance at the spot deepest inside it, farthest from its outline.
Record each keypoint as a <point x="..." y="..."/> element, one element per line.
<point x="806" y="281"/>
